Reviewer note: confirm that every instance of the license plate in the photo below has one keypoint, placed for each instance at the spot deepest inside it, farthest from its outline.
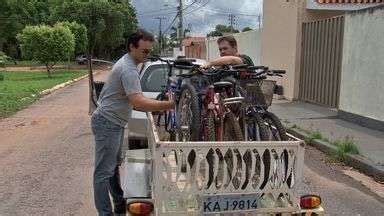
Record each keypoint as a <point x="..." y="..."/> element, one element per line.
<point x="227" y="203"/>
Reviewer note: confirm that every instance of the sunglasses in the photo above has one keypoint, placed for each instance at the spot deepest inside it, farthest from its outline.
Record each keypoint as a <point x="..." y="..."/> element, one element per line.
<point x="146" y="51"/>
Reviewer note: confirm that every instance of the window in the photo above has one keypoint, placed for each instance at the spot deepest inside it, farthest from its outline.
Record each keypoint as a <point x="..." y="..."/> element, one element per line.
<point x="154" y="79"/>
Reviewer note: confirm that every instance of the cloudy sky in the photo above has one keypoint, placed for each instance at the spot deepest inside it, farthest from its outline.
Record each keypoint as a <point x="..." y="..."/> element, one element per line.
<point x="200" y="15"/>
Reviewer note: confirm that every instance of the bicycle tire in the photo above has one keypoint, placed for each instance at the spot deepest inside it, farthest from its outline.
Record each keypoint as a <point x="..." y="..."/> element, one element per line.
<point x="232" y="128"/>
<point x="161" y="97"/>
<point x="209" y="127"/>
<point x="263" y="128"/>
<point x="275" y="121"/>
<point x="195" y="124"/>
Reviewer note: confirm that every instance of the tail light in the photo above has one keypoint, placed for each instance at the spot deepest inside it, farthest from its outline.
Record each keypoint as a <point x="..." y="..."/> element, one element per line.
<point x="140" y="208"/>
<point x="310" y="201"/>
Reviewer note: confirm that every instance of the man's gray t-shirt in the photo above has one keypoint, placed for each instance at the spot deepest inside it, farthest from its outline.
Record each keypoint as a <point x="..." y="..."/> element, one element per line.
<point x="124" y="80"/>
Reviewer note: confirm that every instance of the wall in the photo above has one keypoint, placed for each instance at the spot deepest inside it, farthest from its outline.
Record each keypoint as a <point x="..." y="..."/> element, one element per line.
<point x="196" y="50"/>
<point x="248" y="43"/>
<point x="362" y="76"/>
<point x="278" y="39"/>
<point x="281" y="38"/>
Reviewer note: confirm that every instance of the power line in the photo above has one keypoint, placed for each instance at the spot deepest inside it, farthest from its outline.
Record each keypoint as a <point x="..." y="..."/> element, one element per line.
<point x="201" y="6"/>
<point x="170" y="25"/>
<point x="168" y="13"/>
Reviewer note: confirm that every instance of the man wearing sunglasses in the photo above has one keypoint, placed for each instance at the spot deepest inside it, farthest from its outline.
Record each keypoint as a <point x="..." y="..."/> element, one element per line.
<point x="121" y="93"/>
<point x="229" y="53"/>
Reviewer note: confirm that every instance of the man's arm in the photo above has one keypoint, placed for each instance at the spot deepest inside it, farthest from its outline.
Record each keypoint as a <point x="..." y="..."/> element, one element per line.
<point x="142" y="103"/>
<point x="225" y="60"/>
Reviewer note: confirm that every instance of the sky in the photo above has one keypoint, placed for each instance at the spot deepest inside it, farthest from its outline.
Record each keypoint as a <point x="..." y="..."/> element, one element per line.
<point x="200" y="15"/>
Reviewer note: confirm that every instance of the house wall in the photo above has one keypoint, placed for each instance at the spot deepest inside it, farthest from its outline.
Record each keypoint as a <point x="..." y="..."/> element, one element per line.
<point x="196" y="50"/>
<point x="248" y="43"/>
<point x="362" y="76"/>
<point x="281" y="38"/>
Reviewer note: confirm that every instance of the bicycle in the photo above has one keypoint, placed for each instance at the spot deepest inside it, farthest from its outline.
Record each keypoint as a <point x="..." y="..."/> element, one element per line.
<point x="259" y="123"/>
<point x="172" y="89"/>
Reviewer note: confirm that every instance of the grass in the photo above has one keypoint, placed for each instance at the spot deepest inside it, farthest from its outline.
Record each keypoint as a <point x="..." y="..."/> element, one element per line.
<point x="20" y="89"/>
<point x="344" y="147"/>
<point x="29" y="63"/>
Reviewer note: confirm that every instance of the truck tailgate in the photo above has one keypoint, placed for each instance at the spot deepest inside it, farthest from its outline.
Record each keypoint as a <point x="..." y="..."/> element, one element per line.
<point x="198" y="178"/>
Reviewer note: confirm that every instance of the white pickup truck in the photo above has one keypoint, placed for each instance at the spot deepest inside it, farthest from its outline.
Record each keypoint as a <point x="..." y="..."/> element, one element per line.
<point x="245" y="178"/>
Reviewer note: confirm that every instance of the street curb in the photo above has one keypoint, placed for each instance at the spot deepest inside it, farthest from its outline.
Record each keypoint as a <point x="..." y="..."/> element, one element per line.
<point x="62" y="85"/>
<point x="356" y="161"/>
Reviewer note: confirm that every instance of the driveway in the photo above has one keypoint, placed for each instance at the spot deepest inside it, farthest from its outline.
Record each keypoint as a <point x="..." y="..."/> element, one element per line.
<point x="46" y="156"/>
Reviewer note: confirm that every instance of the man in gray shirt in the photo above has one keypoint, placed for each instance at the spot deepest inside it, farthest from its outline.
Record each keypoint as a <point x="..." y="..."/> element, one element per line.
<point x="121" y="93"/>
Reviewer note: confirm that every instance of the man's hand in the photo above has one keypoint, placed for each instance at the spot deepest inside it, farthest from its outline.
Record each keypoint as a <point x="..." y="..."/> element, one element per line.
<point x="206" y="65"/>
<point x="140" y="102"/>
<point x="170" y="98"/>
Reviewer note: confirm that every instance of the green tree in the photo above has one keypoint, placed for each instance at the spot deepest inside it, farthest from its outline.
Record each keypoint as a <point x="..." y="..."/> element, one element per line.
<point x="47" y="44"/>
<point x="246" y="29"/>
<point x="108" y="22"/>
<point x="79" y="31"/>
<point x="15" y="15"/>
<point x="220" y="30"/>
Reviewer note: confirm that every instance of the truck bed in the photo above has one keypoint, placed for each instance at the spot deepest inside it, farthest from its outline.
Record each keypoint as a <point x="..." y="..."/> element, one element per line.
<point x="189" y="176"/>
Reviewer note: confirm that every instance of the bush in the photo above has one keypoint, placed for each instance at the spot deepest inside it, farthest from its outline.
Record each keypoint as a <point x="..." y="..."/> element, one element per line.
<point x="47" y="44"/>
<point x="3" y="59"/>
<point x="1" y="77"/>
<point x="79" y="31"/>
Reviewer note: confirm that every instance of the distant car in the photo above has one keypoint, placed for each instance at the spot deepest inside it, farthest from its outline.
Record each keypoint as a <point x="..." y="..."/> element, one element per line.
<point x="81" y="59"/>
<point x="153" y="78"/>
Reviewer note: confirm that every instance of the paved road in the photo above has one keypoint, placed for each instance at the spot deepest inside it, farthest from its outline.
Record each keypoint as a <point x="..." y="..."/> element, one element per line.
<point x="46" y="157"/>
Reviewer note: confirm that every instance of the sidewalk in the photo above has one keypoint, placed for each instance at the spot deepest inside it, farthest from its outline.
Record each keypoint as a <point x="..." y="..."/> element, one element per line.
<point x="317" y="118"/>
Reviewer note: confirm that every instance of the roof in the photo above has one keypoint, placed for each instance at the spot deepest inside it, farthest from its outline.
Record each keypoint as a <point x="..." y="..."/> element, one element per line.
<point x="349" y="1"/>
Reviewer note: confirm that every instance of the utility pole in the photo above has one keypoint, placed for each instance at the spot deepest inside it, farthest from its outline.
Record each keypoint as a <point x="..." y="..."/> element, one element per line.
<point x="180" y="29"/>
<point x="160" y="33"/>
<point x="231" y="21"/>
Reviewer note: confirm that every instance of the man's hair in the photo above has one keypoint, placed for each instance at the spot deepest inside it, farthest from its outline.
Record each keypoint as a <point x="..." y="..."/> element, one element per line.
<point x="230" y="39"/>
<point x="135" y="37"/>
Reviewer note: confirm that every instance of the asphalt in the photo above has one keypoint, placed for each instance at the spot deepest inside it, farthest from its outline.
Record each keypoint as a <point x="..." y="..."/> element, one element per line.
<point x="324" y="120"/>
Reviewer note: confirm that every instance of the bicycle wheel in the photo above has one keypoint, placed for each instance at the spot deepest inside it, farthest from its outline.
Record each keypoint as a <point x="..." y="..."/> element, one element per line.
<point x="189" y="114"/>
<point x="257" y="129"/>
<point x="232" y="130"/>
<point x="275" y="126"/>
<point x="209" y="127"/>
<point x="161" y="97"/>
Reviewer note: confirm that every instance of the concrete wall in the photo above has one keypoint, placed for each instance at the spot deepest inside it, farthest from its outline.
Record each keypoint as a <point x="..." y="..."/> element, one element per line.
<point x="248" y="43"/>
<point x="281" y="38"/>
<point x="362" y="78"/>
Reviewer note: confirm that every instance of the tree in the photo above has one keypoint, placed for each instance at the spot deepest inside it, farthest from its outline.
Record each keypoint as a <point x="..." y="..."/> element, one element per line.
<point x="220" y="30"/>
<point x="246" y="29"/>
<point x="47" y="44"/>
<point x="108" y="22"/>
<point x="15" y="15"/>
<point x="79" y="31"/>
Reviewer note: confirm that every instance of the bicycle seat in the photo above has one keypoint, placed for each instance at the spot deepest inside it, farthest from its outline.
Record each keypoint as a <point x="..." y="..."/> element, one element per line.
<point x="222" y="84"/>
